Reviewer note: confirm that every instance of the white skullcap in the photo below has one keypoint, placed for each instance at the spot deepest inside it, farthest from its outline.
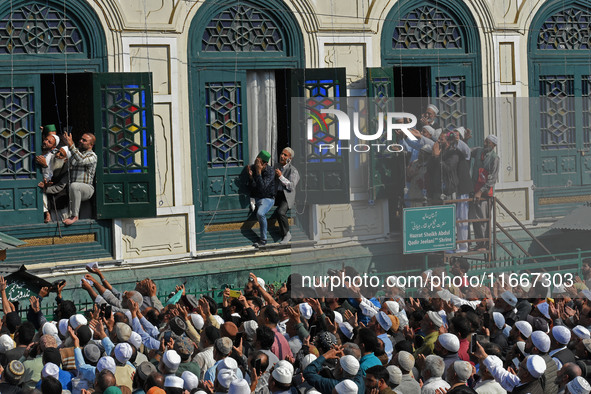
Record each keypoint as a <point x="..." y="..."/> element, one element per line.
<point x="435" y="318"/>
<point x="463" y="370"/>
<point x="261" y="282"/>
<point x="197" y="321"/>
<point x="219" y="319"/>
<point x="395" y="374"/>
<point x="6" y="343"/>
<point x="338" y="318"/>
<point x="50" y="369"/>
<point x="239" y="387"/>
<point x="450" y="342"/>
<point x="350" y="364"/>
<point x="496" y="361"/>
<point x="429" y="129"/>
<point x="493" y="139"/>
<point x="561" y="334"/>
<point x="107" y="363"/>
<point x="191" y="381"/>
<point x="305" y="310"/>
<point x="368" y="309"/>
<point x="393" y="307"/>
<point x="384" y="321"/>
<point x="63" y="327"/>
<point x="433" y="108"/>
<point x="509" y="298"/>
<point x="436" y="135"/>
<point x="541" y="340"/>
<point x="308" y="358"/>
<point x="250" y="328"/>
<point x="282" y="375"/>
<point x="346" y="386"/>
<point x="524" y="328"/>
<point x="582" y="332"/>
<point x="536" y="366"/>
<point x="578" y="386"/>
<point x="171" y="359"/>
<point x="406" y="360"/>
<point x="174" y="381"/>
<point x="499" y="320"/>
<point x="135" y="339"/>
<point x="123" y="352"/>
<point x="285" y="364"/>
<point x="543" y="307"/>
<point x="77" y="321"/>
<point x="226" y="377"/>
<point x="461" y="130"/>
<point x="228" y="363"/>
<point x="57" y="139"/>
<point x="346" y="329"/>
<point x="49" y="329"/>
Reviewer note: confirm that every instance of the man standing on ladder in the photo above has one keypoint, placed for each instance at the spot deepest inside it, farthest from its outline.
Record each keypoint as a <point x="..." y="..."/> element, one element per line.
<point x="485" y="172"/>
<point x="82" y="169"/>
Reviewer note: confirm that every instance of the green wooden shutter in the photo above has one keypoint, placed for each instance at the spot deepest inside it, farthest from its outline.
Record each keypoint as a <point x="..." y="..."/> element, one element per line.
<point x="20" y="141"/>
<point x="124" y="129"/>
<point x="380" y="91"/>
<point x="223" y="139"/>
<point x="324" y="173"/>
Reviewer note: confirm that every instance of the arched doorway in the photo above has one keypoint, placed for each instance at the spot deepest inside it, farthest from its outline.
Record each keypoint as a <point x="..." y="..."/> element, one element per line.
<point x="239" y="55"/>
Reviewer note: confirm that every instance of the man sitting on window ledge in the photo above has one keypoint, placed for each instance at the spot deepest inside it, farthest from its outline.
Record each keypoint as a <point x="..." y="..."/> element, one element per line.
<point x="82" y="169"/>
<point x="262" y="188"/>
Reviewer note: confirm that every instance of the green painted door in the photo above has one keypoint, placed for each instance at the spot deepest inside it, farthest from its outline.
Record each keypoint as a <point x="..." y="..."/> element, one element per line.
<point x="20" y="141"/>
<point x="452" y="90"/>
<point x="562" y="126"/>
<point x="223" y="139"/>
<point x="124" y="128"/>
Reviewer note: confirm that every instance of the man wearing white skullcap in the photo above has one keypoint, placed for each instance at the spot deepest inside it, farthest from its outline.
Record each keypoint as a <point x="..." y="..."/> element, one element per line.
<point x="406" y="362"/>
<point x="527" y="380"/>
<point x="432" y="374"/>
<point x="124" y="371"/>
<point x="539" y="344"/>
<point x="559" y="339"/>
<point x="171" y="381"/>
<point x="430" y="326"/>
<point x="224" y="378"/>
<point x="487" y="383"/>
<point x="485" y="172"/>
<point x="191" y="381"/>
<point x="381" y="324"/>
<point x="280" y="379"/>
<point x="521" y="331"/>
<point x="459" y="373"/>
<point x="169" y="363"/>
<point x="578" y="386"/>
<point x="429" y="117"/>
<point x="447" y="346"/>
<point x="348" y="368"/>
<point x="394" y="376"/>
<point x="582" y="332"/>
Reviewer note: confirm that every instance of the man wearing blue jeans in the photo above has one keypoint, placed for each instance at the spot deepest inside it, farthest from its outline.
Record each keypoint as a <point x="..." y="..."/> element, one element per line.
<point x="262" y="188"/>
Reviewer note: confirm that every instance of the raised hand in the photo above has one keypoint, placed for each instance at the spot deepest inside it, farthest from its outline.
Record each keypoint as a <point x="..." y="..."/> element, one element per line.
<point x="35" y="306"/>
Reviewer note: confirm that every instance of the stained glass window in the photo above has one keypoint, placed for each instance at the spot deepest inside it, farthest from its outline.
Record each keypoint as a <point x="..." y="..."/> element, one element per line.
<point x="17" y="133"/>
<point x="125" y="142"/>
<point x="557" y="112"/>
<point x="224" y="127"/>
<point x="427" y="27"/>
<point x="320" y="94"/>
<point x="36" y="28"/>
<point x="566" y="29"/>
<point x="451" y="95"/>
<point x="242" y="29"/>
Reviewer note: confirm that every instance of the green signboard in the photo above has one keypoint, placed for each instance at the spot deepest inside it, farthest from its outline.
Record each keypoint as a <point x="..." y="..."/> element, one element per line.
<point x="429" y="229"/>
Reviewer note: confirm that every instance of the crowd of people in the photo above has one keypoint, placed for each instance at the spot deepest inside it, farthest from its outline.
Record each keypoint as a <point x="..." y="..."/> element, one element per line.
<point x="301" y="340"/>
<point x="439" y="165"/>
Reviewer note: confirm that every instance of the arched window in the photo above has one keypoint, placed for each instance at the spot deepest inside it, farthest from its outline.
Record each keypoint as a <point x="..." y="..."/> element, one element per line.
<point x="560" y="121"/>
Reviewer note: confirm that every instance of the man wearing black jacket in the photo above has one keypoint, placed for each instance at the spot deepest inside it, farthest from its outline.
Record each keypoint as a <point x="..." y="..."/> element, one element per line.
<point x="262" y="188"/>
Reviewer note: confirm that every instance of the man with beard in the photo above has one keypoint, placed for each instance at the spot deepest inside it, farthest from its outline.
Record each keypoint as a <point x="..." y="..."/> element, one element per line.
<point x="54" y="169"/>
<point x="485" y="172"/>
<point x="288" y="178"/>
